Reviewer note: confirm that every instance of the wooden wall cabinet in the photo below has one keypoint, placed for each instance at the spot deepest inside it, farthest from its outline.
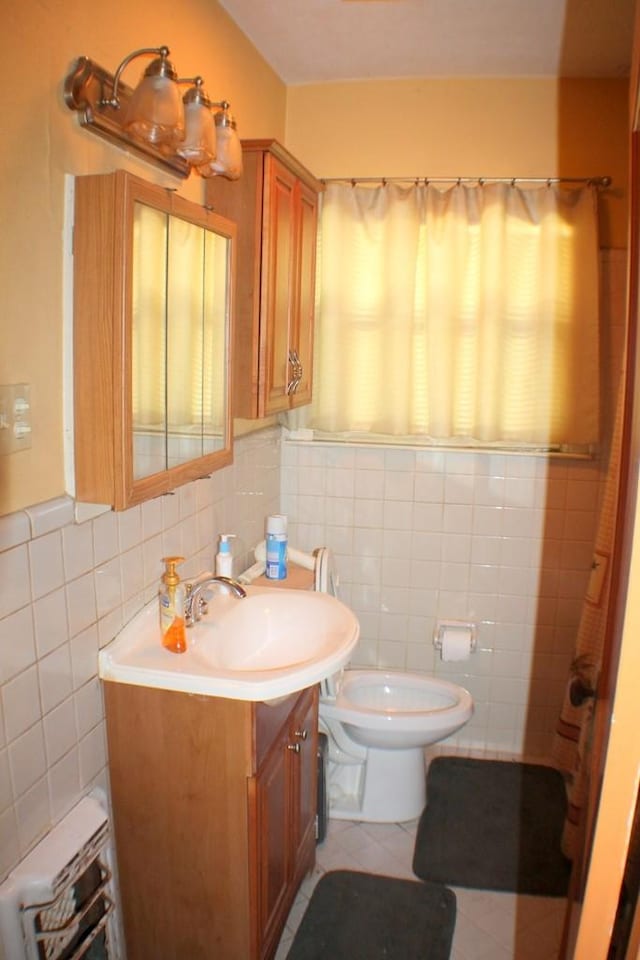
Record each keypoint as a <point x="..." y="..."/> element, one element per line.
<point x="214" y="806"/>
<point x="275" y="205"/>
<point x="153" y="284"/>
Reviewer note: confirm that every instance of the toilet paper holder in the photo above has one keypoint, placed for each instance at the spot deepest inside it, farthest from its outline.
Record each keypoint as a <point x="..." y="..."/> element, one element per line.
<point x="443" y="625"/>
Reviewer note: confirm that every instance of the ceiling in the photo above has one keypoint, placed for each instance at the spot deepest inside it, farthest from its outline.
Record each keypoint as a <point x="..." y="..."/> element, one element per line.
<point x="316" y="41"/>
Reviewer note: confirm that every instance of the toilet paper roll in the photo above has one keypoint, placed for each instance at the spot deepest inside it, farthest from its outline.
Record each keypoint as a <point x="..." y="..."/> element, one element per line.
<point x="456" y="642"/>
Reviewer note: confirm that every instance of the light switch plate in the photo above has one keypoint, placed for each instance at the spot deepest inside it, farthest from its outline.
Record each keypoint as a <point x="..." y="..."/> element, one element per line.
<point x="15" y="417"/>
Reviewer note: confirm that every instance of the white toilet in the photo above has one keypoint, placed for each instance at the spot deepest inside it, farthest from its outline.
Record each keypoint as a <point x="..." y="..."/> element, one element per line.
<point x="378" y="724"/>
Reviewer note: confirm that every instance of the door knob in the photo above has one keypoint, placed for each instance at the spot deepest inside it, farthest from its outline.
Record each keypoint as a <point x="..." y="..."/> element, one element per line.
<point x="295" y="747"/>
<point x="579" y="692"/>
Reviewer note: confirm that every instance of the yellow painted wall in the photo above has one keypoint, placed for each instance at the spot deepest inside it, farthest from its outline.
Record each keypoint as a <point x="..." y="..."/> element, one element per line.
<point x="467" y="127"/>
<point x="397" y="128"/>
<point x="41" y="142"/>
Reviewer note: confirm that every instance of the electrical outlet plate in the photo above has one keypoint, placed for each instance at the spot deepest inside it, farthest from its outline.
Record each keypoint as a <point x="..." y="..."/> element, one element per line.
<point x="15" y="417"/>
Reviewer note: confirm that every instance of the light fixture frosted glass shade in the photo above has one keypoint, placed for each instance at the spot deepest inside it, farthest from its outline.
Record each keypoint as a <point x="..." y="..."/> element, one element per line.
<point x="199" y="144"/>
<point x="228" y="159"/>
<point x="155" y="113"/>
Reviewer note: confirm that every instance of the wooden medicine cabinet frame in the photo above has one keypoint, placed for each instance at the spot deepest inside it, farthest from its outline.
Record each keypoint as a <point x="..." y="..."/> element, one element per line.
<point x="103" y="341"/>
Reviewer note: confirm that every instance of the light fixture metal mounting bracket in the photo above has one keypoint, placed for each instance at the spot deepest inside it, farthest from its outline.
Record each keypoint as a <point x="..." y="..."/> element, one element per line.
<point x="89" y="90"/>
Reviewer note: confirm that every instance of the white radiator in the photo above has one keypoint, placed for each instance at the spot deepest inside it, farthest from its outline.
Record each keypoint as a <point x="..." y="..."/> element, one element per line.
<point x="58" y="903"/>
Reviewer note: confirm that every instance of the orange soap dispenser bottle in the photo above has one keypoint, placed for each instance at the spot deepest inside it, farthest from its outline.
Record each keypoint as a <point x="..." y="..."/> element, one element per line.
<point x="172" y="600"/>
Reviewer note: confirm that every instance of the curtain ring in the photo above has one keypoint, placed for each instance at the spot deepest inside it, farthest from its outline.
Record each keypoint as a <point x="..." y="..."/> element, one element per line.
<point x="513" y="182"/>
<point x="459" y="182"/>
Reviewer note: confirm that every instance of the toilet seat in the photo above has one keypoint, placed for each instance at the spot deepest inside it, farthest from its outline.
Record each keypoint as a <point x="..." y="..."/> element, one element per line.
<point x="394" y="710"/>
<point x="393" y="695"/>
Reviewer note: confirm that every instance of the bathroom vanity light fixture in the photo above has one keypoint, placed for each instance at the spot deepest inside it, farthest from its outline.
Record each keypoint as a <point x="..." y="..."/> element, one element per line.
<point x="155" y="120"/>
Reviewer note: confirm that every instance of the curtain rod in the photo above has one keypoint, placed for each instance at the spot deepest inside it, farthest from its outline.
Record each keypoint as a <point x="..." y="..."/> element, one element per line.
<point x="600" y="182"/>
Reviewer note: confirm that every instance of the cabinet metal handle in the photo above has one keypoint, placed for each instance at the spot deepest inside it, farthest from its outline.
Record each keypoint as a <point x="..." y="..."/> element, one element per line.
<point x="294" y="746"/>
<point x="298" y="371"/>
<point x="301" y="734"/>
<point x="291" y="383"/>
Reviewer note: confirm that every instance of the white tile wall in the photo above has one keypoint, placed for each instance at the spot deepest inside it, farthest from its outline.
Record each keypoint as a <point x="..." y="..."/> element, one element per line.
<point x="65" y="590"/>
<point x="457" y="536"/>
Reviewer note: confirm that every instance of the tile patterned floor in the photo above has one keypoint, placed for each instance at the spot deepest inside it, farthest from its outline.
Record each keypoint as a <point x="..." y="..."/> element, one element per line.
<point x="489" y="926"/>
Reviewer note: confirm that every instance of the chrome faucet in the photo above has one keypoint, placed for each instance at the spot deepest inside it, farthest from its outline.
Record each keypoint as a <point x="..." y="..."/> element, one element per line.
<point x="195" y="601"/>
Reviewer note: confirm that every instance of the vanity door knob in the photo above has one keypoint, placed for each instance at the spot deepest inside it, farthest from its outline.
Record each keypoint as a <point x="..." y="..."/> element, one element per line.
<point x="301" y="734"/>
<point x="294" y="746"/>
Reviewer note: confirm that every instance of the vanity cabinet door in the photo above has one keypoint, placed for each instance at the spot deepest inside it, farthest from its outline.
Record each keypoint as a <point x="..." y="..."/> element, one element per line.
<point x="303" y="734"/>
<point x="214" y="814"/>
<point x="284" y="804"/>
<point x="272" y="793"/>
<point x="275" y="205"/>
<point x="179" y="764"/>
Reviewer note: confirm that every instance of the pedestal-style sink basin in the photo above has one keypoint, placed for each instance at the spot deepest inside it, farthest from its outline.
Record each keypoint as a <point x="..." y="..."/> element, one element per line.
<point x="272" y="630"/>
<point x="269" y="644"/>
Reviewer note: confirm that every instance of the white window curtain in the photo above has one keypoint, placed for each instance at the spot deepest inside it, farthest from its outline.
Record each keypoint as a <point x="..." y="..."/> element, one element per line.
<point x="466" y="314"/>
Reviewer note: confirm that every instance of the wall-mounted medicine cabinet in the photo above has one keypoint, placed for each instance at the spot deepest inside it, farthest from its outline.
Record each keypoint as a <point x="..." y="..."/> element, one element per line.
<point x="153" y="287"/>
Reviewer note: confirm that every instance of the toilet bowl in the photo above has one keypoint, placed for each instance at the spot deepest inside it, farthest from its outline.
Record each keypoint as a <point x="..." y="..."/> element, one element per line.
<point x="378" y="724"/>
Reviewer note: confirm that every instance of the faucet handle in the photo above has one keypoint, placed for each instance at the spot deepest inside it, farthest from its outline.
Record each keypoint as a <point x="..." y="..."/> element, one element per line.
<point x="190" y="585"/>
<point x="196" y="604"/>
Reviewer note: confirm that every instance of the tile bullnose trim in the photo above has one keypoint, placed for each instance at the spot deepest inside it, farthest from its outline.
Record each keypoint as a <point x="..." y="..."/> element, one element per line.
<point x="50" y="515"/>
<point x="15" y="529"/>
<point x="83" y="512"/>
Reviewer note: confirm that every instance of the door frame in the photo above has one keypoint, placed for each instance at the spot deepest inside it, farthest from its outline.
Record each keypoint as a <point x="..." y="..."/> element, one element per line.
<point x="617" y="721"/>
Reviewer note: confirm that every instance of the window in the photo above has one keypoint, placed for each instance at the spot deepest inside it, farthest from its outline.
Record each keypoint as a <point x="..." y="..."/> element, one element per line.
<point x="466" y="315"/>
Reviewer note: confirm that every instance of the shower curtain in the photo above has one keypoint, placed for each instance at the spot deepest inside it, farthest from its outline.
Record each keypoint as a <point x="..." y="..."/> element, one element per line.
<point x="572" y="742"/>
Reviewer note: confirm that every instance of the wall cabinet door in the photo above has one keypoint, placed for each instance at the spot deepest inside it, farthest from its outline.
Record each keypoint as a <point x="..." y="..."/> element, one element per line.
<point x="275" y="205"/>
<point x="304" y="314"/>
<point x="278" y="294"/>
<point x="153" y="282"/>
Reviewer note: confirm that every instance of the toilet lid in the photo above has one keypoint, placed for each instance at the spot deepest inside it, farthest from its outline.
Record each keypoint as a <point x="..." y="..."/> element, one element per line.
<point x="325" y="573"/>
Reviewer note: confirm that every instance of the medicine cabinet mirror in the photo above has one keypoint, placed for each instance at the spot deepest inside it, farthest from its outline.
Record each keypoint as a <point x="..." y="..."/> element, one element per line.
<point x="153" y="282"/>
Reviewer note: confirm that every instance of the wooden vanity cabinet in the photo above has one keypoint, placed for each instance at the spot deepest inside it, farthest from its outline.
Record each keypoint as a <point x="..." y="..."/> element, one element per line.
<point x="275" y="206"/>
<point x="214" y="808"/>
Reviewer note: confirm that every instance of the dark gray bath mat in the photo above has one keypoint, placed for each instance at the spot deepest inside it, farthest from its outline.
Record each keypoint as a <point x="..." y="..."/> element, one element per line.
<point x="358" y="916"/>
<point x="493" y="825"/>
